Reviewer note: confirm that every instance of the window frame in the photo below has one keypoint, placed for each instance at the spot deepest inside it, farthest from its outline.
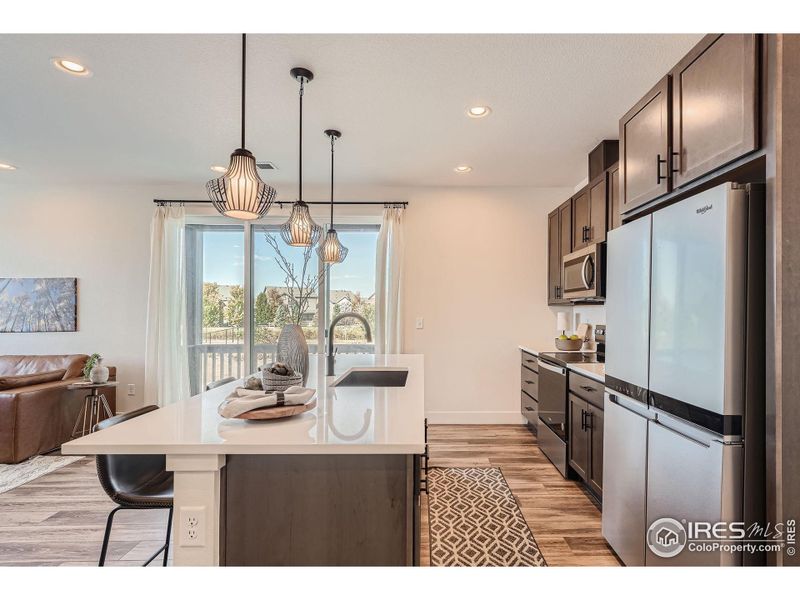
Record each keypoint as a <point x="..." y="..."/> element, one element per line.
<point x="199" y="223"/>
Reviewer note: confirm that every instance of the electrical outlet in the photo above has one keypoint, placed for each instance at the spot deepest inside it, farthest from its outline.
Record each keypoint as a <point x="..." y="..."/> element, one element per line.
<point x="192" y="526"/>
<point x="131" y="389"/>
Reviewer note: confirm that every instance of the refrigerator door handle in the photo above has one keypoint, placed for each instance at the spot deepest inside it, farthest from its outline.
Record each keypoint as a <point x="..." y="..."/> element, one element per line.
<point x="680" y="433"/>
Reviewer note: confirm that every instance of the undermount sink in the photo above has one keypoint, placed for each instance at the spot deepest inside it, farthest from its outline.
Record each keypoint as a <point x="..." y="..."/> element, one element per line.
<point x="372" y="377"/>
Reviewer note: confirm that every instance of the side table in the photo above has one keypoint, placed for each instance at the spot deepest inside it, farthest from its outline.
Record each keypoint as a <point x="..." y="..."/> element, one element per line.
<point x="94" y="404"/>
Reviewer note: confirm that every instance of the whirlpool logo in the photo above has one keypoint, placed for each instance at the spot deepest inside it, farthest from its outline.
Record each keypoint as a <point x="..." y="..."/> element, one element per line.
<point x="705" y="209"/>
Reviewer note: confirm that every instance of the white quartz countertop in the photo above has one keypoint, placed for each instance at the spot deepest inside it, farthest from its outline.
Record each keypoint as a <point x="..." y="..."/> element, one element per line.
<point x="346" y="420"/>
<point x="596" y="371"/>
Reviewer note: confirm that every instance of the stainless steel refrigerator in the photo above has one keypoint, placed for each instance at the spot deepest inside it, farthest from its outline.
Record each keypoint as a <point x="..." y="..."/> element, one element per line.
<point x="684" y="419"/>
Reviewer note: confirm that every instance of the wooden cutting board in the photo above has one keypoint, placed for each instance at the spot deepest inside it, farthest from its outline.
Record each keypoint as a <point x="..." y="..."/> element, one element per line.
<point x="277" y="412"/>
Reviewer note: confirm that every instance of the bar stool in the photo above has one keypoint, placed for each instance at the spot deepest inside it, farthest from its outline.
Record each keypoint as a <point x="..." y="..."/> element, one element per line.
<point x="134" y="481"/>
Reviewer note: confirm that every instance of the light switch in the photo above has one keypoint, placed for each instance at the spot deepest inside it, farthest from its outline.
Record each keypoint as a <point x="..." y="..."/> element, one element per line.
<point x="420" y="323"/>
<point x="131" y="389"/>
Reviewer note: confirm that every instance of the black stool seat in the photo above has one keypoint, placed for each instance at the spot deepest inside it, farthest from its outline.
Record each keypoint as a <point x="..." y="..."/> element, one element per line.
<point x="134" y="481"/>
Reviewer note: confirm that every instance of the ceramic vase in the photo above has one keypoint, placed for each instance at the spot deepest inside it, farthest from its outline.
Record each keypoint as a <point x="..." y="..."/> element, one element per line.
<point x="293" y="349"/>
<point x="98" y="373"/>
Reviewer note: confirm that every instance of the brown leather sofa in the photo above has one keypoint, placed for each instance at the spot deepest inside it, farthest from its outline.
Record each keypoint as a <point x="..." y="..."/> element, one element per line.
<point x="37" y="411"/>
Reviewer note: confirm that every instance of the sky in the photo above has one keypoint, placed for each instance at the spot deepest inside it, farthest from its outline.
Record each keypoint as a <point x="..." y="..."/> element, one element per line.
<point x="223" y="261"/>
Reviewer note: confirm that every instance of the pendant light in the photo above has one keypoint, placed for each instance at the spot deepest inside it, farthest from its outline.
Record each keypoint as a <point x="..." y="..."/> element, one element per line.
<point x="240" y="193"/>
<point x="330" y="250"/>
<point x="301" y="230"/>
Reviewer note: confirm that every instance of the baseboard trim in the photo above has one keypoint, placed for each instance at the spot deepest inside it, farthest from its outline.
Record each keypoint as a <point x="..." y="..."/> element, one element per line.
<point x="474" y="417"/>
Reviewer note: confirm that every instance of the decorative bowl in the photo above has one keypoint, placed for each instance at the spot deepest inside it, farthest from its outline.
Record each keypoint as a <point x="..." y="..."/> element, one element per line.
<point x="279" y="383"/>
<point x="568" y="345"/>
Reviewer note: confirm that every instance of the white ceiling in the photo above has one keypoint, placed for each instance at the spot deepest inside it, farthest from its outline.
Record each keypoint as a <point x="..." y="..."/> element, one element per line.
<point x="160" y="109"/>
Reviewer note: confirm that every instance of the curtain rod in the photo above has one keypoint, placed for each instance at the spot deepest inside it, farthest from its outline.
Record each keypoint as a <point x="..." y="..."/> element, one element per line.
<point x="280" y="204"/>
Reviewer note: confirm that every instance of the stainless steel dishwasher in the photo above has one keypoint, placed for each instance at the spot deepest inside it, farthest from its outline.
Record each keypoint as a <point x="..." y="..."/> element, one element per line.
<point x="552" y="429"/>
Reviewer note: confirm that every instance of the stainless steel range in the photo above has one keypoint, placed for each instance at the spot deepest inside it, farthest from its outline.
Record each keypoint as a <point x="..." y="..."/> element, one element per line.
<point x="553" y="429"/>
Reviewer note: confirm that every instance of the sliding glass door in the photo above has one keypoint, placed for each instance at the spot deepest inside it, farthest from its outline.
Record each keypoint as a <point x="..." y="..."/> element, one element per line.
<point x="215" y="303"/>
<point x="351" y="289"/>
<point x="285" y="290"/>
<point x="243" y="286"/>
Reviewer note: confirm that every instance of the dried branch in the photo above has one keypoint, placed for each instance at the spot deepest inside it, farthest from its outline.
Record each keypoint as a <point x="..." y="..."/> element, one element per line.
<point x="300" y="289"/>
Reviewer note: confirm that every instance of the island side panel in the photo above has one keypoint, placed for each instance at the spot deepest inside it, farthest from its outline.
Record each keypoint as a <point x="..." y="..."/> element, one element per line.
<point x="320" y="510"/>
<point x="198" y="486"/>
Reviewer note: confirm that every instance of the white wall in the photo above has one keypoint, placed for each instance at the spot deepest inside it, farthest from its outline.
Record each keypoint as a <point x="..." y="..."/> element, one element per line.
<point x="102" y="237"/>
<point x="475" y="271"/>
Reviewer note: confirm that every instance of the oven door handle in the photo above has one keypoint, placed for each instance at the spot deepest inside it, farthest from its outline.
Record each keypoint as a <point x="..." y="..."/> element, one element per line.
<point x="553" y="368"/>
<point x="587" y="262"/>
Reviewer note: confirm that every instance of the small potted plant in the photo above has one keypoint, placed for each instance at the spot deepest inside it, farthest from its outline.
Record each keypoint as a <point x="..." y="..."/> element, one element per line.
<point x="94" y="370"/>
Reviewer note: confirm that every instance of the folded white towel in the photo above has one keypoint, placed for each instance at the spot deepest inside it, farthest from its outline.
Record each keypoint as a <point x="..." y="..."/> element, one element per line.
<point x="242" y="400"/>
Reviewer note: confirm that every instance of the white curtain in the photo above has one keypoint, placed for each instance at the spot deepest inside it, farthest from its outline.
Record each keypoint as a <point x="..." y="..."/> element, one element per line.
<point x="166" y="357"/>
<point x="388" y="283"/>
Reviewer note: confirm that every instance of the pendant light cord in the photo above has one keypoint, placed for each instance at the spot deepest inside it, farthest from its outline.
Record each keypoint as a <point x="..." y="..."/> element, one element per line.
<point x="244" y="77"/>
<point x="300" y="178"/>
<point x="333" y="139"/>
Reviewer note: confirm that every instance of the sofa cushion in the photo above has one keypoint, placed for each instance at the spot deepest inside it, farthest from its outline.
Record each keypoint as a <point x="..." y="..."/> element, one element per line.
<point x="21" y="364"/>
<point x="10" y="382"/>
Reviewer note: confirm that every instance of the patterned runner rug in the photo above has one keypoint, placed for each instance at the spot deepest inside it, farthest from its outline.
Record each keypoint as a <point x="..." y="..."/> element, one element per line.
<point x="12" y="476"/>
<point x="476" y="522"/>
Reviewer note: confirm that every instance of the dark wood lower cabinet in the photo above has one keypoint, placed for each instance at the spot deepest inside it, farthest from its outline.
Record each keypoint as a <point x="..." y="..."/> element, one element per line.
<point x="579" y="442"/>
<point x="585" y="448"/>
<point x="320" y="510"/>
<point x="595" y="475"/>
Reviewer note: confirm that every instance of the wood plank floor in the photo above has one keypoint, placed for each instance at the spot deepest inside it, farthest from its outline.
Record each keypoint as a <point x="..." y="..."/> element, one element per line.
<point x="59" y="519"/>
<point x="563" y="517"/>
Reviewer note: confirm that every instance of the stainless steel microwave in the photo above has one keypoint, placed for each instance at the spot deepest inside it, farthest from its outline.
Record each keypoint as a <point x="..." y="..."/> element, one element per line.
<point x="583" y="275"/>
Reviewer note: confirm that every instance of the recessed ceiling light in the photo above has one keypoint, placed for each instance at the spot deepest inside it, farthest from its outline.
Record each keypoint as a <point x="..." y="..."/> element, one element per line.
<point x="219" y="169"/>
<point x="477" y="112"/>
<point x="71" y="67"/>
<point x="463" y="169"/>
<point x="7" y="167"/>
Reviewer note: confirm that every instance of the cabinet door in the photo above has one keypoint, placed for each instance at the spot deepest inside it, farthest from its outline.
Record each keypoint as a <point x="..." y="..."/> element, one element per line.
<point x="596" y="232"/>
<point x="714" y="105"/>
<point x="565" y="224"/>
<point x="595" y="422"/>
<point x="578" y="437"/>
<point x="553" y="257"/>
<point x="614" y="216"/>
<point x="644" y="137"/>
<point x="580" y="220"/>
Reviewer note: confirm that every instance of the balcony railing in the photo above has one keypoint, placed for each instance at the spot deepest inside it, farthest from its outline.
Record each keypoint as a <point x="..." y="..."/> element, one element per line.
<point x="214" y="361"/>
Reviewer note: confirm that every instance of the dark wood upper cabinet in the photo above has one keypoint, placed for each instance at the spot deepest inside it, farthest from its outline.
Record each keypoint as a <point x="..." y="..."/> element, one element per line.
<point x="581" y="214"/>
<point x="589" y="214"/>
<point x="598" y="200"/>
<point x="559" y="243"/>
<point x="565" y="220"/>
<point x="644" y="144"/>
<point x="714" y="105"/>
<point x="614" y="216"/>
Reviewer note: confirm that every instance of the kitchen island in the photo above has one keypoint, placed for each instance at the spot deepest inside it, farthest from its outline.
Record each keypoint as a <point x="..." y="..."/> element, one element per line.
<point x="337" y="485"/>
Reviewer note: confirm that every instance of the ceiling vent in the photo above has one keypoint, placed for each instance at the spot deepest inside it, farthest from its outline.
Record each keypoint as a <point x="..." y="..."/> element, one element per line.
<point x="267" y="166"/>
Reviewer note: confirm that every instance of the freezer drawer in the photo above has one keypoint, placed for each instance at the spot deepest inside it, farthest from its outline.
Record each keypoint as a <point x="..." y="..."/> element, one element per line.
<point x="692" y="476"/>
<point x="625" y="478"/>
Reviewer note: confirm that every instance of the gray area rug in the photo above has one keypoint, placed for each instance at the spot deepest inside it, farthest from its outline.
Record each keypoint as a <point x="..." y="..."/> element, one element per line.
<point x="475" y="521"/>
<point x="12" y="476"/>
